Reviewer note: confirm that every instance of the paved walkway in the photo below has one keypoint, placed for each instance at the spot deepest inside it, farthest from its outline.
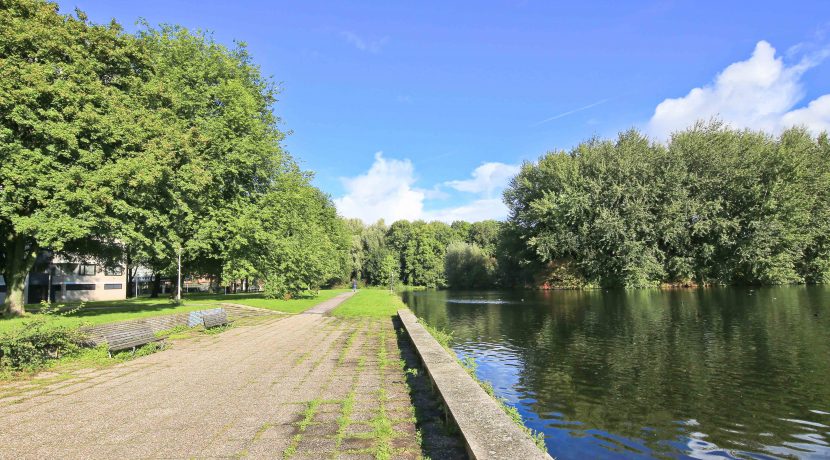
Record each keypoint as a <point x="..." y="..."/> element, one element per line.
<point x="328" y="305"/>
<point x="300" y="386"/>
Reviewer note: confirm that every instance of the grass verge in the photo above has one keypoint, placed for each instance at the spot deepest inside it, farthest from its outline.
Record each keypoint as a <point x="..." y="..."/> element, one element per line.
<point x="373" y="303"/>
<point x="94" y="313"/>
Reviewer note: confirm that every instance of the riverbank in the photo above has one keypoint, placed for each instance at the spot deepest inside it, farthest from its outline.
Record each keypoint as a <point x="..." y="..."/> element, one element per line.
<point x="489" y="431"/>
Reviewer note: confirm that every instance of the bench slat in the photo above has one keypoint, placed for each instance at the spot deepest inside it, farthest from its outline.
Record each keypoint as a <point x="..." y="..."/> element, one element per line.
<point x="129" y="338"/>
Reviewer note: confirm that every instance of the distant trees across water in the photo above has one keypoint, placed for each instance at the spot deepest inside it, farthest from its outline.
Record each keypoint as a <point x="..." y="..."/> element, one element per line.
<point x="713" y="205"/>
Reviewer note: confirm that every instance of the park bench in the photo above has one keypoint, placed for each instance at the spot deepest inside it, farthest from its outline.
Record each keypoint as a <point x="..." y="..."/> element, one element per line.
<point x="219" y="318"/>
<point x="128" y="337"/>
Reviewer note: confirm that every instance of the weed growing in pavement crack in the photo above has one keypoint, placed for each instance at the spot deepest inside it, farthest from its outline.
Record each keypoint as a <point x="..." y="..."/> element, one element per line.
<point x="308" y="415"/>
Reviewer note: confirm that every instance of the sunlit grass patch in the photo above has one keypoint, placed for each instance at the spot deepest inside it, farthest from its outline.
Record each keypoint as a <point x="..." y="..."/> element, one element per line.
<point x="378" y="303"/>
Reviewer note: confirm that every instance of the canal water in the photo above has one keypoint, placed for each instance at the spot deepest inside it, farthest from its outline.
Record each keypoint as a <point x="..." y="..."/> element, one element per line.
<point x="691" y="373"/>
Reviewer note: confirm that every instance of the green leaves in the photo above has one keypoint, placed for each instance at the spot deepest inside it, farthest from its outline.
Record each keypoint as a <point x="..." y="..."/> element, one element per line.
<point x="468" y="266"/>
<point x="291" y="237"/>
<point x="714" y="206"/>
<point x="149" y="143"/>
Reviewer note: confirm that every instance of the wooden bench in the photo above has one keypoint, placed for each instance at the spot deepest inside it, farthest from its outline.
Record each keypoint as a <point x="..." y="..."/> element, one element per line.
<point x="215" y="319"/>
<point x="129" y="337"/>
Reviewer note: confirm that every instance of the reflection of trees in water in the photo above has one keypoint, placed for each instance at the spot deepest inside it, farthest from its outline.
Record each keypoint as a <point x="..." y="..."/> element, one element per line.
<point x="619" y="361"/>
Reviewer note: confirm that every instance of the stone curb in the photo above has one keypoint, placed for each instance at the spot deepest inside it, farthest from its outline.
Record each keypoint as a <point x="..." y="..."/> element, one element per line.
<point x="487" y="431"/>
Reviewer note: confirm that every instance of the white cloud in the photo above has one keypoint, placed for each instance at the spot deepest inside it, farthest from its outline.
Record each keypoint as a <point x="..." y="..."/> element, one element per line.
<point x="387" y="191"/>
<point x="487" y="179"/>
<point x="372" y="46"/>
<point x="759" y="93"/>
<point x="483" y="209"/>
<point x="816" y="115"/>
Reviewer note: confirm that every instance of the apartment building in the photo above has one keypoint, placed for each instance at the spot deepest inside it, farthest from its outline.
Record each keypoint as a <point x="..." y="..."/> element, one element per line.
<point x="62" y="280"/>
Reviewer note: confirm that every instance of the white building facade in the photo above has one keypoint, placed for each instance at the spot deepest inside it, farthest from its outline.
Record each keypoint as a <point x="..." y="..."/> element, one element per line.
<point x="62" y="280"/>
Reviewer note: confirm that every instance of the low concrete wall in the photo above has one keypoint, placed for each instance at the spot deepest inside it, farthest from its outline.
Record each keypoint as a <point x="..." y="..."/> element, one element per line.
<point x="488" y="432"/>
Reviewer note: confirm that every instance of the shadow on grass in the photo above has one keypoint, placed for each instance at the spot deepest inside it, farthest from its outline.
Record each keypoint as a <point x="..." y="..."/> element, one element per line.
<point x="242" y="296"/>
<point x="135" y="305"/>
<point x="163" y="304"/>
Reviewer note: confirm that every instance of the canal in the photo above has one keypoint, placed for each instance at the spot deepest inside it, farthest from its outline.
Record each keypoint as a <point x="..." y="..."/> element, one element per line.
<point x="690" y="373"/>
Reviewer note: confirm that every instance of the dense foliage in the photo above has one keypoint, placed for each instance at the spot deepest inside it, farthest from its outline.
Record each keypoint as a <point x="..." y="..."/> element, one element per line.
<point x="714" y="206"/>
<point x="468" y="266"/>
<point x="142" y="146"/>
<point x="431" y="254"/>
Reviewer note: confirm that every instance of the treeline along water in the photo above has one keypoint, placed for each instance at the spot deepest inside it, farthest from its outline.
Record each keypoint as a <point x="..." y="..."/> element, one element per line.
<point x="734" y="372"/>
<point x="714" y="205"/>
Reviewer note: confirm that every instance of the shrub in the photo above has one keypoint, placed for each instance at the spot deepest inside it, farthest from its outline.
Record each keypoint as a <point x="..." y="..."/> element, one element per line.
<point x="39" y="340"/>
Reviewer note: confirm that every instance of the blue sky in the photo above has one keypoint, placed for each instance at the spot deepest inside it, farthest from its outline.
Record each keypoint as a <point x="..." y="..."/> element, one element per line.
<point x="457" y="94"/>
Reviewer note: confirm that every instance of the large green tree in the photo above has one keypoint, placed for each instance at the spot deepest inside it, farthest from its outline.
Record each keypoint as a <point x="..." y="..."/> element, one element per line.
<point x="222" y="140"/>
<point x="148" y="145"/>
<point x="714" y="206"/>
<point x="291" y="238"/>
<point x="74" y="134"/>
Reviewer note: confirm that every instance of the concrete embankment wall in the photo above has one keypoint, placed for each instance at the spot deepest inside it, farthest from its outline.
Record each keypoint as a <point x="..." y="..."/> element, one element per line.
<point x="487" y="431"/>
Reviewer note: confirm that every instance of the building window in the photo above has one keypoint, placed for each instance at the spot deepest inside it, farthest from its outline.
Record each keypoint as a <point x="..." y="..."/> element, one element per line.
<point x="114" y="271"/>
<point x="86" y="269"/>
<point x="80" y="287"/>
<point x="113" y="286"/>
<point x="63" y="269"/>
<point x="3" y="288"/>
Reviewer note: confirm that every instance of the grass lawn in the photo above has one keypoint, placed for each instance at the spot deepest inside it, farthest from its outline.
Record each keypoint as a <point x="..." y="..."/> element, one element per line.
<point x="119" y="310"/>
<point x="108" y="312"/>
<point x="376" y="303"/>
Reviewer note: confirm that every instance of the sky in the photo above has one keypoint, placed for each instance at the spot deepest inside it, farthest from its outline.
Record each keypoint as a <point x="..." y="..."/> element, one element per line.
<point x="425" y="110"/>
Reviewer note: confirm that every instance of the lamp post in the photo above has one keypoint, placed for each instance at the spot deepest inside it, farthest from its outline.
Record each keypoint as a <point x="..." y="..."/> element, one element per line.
<point x="179" y="282"/>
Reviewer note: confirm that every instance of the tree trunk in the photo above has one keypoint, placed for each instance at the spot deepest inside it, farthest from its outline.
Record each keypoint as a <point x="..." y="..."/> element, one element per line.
<point x="218" y="283"/>
<point x="20" y="258"/>
<point x="156" y="287"/>
<point x="132" y="282"/>
<point x="128" y="266"/>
